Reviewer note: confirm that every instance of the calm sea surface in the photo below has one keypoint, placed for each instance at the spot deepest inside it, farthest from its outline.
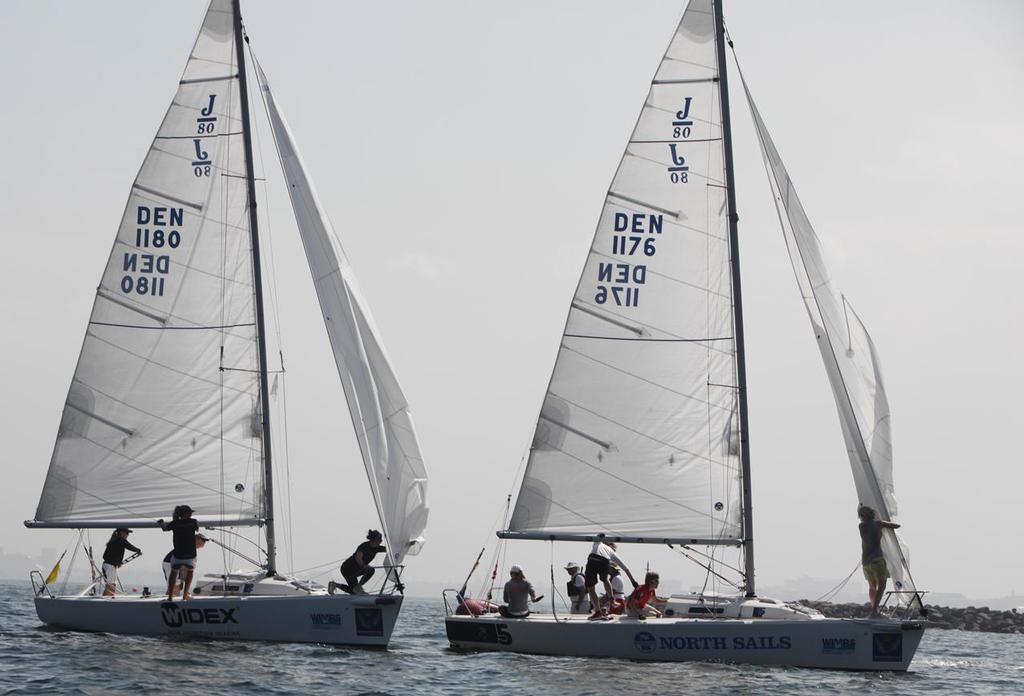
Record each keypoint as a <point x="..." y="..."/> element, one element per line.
<point x="37" y="660"/>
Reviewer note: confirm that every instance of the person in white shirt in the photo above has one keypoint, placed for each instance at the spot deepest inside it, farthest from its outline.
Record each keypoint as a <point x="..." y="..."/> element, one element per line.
<point x="617" y="600"/>
<point x="576" y="588"/>
<point x="599" y="566"/>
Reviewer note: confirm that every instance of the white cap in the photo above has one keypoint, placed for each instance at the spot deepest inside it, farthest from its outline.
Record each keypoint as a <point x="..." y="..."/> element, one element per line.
<point x="515" y="569"/>
<point x="571" y="564"/>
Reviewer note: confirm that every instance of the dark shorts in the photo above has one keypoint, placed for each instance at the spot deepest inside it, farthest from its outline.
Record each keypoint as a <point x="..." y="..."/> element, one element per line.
<point x="597" y="567"/>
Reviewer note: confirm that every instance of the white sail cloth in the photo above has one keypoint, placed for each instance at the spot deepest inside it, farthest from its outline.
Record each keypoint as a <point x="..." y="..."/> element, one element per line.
<point x="379" y="410"/>
<point x="638" y="434"/>
<point x="164" y="405"/>
<point x="850" y="361"/>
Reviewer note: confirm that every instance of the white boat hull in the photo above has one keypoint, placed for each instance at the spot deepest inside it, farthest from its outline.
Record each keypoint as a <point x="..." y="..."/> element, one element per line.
<point x="365" y="620"/>
<point x="876" y="644"/>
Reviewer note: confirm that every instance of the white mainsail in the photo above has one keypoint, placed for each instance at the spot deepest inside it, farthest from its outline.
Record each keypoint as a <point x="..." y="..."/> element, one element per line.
<point x="638" y="435"/>
<point x="379" y="410"/>
<point x="164" y="405"/>
<point x="850" y="361"/>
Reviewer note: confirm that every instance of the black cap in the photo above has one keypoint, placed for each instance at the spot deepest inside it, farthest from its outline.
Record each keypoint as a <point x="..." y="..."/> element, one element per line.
<point x="122" y="529"/>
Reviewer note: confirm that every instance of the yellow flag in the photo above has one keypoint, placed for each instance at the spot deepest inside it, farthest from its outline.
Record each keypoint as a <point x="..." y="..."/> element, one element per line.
<point x="52" y="577"/>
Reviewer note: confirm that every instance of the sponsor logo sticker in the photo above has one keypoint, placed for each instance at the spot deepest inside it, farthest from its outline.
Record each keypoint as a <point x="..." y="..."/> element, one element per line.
<point x="645" y="642"/>
<point x="838" y="646"/>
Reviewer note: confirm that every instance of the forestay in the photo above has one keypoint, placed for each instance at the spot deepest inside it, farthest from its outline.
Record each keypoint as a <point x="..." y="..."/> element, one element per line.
<point x="379" y="410"/>
<point x="850" y="360"/>
<point x="638" y="433"/>
<point x="164" y="405"/>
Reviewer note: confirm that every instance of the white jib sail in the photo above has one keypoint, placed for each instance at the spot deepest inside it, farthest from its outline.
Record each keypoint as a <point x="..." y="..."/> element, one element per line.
<point x="164" y="405"/>
<point x="638" y="434"/>
<point x="850" y="361"/>
<point x="379" y="410"/>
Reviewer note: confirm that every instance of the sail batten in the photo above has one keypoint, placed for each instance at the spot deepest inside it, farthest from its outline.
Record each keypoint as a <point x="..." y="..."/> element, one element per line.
<point x="629" y="441"/>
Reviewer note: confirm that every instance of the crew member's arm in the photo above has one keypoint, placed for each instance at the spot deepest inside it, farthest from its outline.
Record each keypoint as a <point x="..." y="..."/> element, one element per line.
<point x="618" y="561"/>
<point x="133" y="549"/>
<point x="888" y="525"/>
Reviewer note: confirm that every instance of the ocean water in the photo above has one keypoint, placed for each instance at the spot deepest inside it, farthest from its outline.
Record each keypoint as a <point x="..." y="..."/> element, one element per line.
<point x="39" y="660"/>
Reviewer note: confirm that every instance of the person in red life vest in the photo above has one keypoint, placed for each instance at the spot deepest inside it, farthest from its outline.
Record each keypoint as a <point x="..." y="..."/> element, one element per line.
<point x="641" y="602"/>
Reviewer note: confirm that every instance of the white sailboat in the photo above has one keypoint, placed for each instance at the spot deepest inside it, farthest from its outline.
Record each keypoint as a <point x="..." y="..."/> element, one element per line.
<point x="642" y="436"/>
<point x="169" y="403"/>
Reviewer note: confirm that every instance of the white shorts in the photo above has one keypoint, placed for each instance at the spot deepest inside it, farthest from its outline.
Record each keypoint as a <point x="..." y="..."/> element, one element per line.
<point x="109" y="574"/>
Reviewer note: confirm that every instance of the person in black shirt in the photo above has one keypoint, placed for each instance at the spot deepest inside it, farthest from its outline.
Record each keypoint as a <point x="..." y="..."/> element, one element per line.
<point x="183" y="558"/>
<point x="113" y="558"/>
<point x="200" y="543"/>
<point x="357" y="569"/>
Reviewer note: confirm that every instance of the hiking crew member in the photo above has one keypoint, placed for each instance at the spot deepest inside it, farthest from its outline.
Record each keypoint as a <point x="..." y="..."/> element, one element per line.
<point x="598" y="566"/>
<point x="518" y="595"/>
<point x="113" y="558"/>
<point x="356" y="569"/>
<point x="876" y="572"/>
<point x="640" y="602"/>
<point x="576" y="590"/>
<point x="183" y="558"/>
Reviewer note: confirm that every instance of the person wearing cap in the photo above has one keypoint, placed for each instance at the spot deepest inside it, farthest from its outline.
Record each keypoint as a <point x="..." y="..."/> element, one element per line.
<point x="183" y="558"/>
<point x="617" y="601"/>
<point x="518" y="595"/>
<point x="200" y="543"/>
<point x="872" y="560"/>
<point x="113" y="558"/>
<point x="576" y="588"/>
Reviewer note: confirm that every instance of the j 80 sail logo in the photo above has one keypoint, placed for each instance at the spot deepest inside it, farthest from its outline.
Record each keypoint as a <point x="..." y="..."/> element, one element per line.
<point x="176" y="616"/>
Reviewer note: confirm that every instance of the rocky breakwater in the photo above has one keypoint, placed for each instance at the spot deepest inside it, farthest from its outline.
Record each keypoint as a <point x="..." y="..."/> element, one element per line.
<point x="965" y="619"/>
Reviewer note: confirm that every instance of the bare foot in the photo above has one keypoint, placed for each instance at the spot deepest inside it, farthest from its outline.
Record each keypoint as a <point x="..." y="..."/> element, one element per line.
<point x="186" y="597"/>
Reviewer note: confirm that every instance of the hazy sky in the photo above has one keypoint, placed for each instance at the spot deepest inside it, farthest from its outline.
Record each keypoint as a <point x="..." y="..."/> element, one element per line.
<point x="463" y="150"/>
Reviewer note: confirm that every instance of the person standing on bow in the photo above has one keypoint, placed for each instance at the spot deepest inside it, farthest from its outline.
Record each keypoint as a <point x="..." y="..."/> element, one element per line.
<point x="113" y="558"/>
<point x="872" y="560"/>
<point x="357" y="569"/>
<point x="576" y="589"/>
<point x="599" y="566"/>
<point x="183" y="558"/>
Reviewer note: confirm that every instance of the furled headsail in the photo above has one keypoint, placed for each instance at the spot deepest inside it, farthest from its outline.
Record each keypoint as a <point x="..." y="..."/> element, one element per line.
<point x="850" y="358"/>
<point x="379" y="410"/>
<point x="638" y="435"/>
<point x="164" y="406"/>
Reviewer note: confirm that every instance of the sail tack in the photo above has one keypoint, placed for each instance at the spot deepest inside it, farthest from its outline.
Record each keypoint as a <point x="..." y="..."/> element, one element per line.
<point x="850" y="358"/>
<point x="164" y="405"/>
<point x="638" y="433"/>
<point x="379" y="410"/>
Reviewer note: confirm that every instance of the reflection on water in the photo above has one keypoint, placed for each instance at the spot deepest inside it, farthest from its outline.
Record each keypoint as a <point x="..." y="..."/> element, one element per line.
<point x="34" y="659"/>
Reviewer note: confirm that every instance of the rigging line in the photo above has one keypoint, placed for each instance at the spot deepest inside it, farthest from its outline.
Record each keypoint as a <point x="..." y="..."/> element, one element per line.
<point x="632" y="430"/>
<point x="711" y="558"/>
<point x="827" y="597"/>
<point x="628" y="483"/>
<point x="690" y="397"/>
